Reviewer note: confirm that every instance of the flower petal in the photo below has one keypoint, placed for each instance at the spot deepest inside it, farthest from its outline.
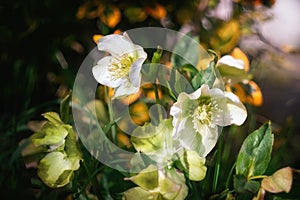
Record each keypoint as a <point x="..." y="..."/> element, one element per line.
<point x="102" y="74"/>
<point x="188" y="137"/>
<point x="134" y="73"/>
<point x="116" y="45"/>
<point x="209" y="139"/>
<point x="180" y="109"/>
<point x="56" y="169"/>
<point x="236" y="111"/>
<point x="231" y="61"/>
<point x="126" y="88"/>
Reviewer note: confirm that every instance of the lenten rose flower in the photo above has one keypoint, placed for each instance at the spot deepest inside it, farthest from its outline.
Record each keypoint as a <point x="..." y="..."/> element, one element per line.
<point x="198" y="116"/>
<point x="121" y="69"/>
<point x="157" y="184"/>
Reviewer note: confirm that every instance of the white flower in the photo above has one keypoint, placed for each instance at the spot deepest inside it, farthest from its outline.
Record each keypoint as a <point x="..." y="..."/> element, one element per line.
<point x="121" y="69"/>
<point x="196" y="117"/>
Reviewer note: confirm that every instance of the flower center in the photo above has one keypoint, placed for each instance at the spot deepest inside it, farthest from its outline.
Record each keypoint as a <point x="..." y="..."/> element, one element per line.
<point x="120" y="66"/>
<point x="203" y="113"/>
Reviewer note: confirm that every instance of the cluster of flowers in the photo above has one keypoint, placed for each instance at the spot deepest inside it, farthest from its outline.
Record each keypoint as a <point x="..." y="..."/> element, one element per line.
<point x="179" y="145"/>
<point x="63" y="156"/>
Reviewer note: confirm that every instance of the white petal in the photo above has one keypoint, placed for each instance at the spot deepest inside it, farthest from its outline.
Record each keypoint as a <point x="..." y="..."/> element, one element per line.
<point x="231" y="61"/>
<point x="236" y="112"/>
<point x="215" y="93"/>
<point x="231" y="111"/>
<point x="126" y="88"/>
<point x="103" y="76"/>
<point x="197" y="93"/>
<point x="138" y="49"/>
<point x="176" y="112"/>
<point x="140" y="53"/>
<point x="181" y="108"/>
<point x="187" y="136"/>
<point x="134" y="72"/>
<point x="209" y="139"/>
<point x="190" y="139"/>
<point x="116" y="45"/>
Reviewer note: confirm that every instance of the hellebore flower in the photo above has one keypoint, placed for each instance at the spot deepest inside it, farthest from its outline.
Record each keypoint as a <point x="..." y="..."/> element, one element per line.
<point x="53" y="132"/>
<point x="157" y="184"/>
<point x="56" y="168"/>
<point x="196" y="117"/>
<point x="121" y="69"/>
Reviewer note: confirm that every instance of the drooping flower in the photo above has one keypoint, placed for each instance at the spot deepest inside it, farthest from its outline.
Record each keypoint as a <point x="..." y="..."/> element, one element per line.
<point x="53" y="133"/>
<point x="157" y="184"/>
<point x="197" y="117"/>
<point x="56" y="168"/>
<point x="234" y="69"/>
<point x="121" y="69"/>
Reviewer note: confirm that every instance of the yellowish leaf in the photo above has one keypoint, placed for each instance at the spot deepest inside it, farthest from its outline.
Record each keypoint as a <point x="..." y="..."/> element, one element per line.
<point x="280" y="181"/>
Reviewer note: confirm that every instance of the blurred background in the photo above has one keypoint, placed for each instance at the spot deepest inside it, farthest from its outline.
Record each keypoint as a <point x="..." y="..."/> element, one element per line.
<point x="43" y="43"/>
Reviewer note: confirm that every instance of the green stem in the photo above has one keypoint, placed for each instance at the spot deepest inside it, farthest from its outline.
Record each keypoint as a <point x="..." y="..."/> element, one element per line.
<point x="93" y="178"/>
<point x="157" y="102"/>
<point x="229" y="175"/>
<point x="218" y="164"/>
<point x="90" y="177"/>
<point x="111" y="117"/>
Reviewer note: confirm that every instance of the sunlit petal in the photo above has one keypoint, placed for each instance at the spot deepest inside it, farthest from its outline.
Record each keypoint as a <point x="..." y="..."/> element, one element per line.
<point x="103" y="75"/>
<point x="125" y="89"/>
<point x="116" y="45"/>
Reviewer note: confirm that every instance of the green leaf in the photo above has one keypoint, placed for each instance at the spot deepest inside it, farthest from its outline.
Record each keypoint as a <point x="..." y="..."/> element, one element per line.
<point x="194" y="165"/>
<point x="206" y="76"/>
<point x="255" y="153"/>
<point x="190" y="69"/>
<point x="180" y="83"/>
<point x="186" y="51"/>
<point x="65" y="108"/>
<point x="233" y="74"/>
<point x="241" y="184"/>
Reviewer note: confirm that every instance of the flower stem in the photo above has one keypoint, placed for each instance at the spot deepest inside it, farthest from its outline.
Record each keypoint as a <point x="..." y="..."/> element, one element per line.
<point x="229" y="175"/>
<point x="111" y="116"/>
<point x="218" y="164"/>
<point x="157" y="102"/>
<point x="94" y="181"/>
